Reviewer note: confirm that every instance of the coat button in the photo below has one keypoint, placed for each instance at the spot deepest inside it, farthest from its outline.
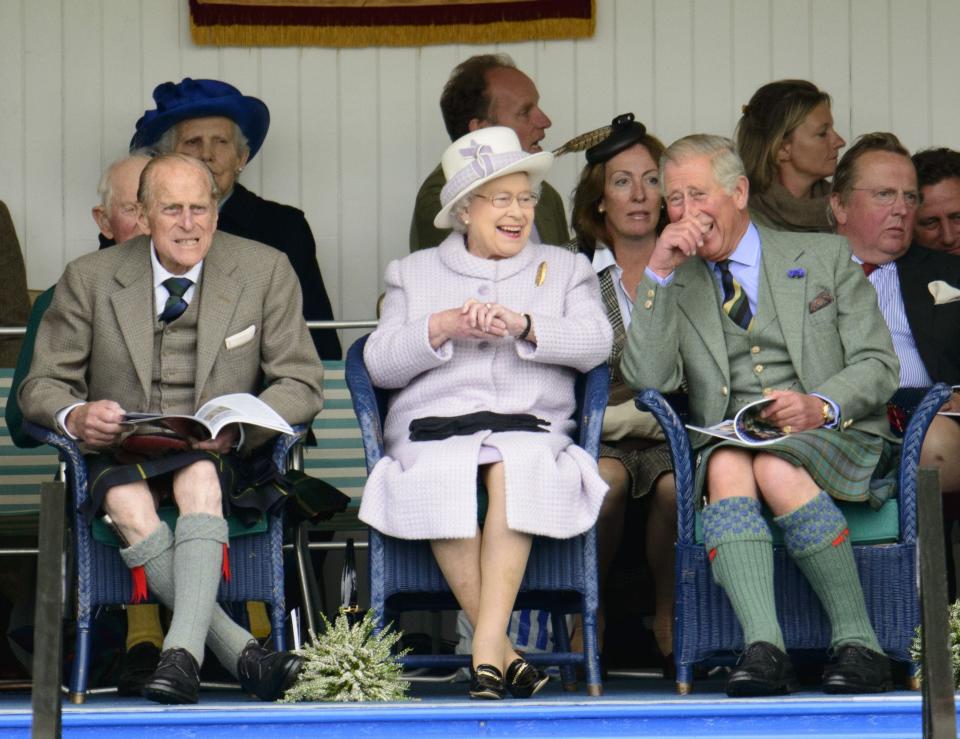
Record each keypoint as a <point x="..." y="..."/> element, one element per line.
<point x="758" y="368"/>
<point x="848" y="423"/>
<point x="651" y="292"/>
<point x="648" y="304"/>
<point x="483" y="290"/>
<point x="754" y="349"/>
<point x="724" y="391"/>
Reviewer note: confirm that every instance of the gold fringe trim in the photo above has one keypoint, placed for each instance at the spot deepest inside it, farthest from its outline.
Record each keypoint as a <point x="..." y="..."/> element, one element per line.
<point x="357" y="36"/>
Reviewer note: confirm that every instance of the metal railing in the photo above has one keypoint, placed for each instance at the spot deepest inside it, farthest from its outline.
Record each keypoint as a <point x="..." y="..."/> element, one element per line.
<point x="367" y="323"/>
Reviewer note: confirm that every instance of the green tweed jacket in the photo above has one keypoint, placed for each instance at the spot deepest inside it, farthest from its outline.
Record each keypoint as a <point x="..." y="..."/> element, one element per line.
<point x="836" y="337"/>
<point x="550" y="218"/>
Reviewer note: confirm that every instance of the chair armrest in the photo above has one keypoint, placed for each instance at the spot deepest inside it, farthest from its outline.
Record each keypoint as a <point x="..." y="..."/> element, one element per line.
<point x="365" y="404"/>
<point x="681" y="454"/>
<point x="596" y="391"/>
<point x="69" y="454"/>
<point x="285" y="444"/>
<point x="913" y="437"/>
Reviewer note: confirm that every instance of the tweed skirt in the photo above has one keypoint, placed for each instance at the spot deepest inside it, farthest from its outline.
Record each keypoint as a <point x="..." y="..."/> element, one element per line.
<point x="644" y="464"/>
<point x="852" y="465"/>
<point x="249" y="487"/>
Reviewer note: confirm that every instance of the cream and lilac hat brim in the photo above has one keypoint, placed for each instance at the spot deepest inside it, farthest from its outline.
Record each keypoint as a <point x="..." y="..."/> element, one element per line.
<point x="481" y="165"/>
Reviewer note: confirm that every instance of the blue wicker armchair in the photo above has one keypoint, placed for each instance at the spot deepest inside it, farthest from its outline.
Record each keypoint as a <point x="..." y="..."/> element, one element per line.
<point x="561" y="575"/>
<point x="103" y="579"/>
<point x="704" y="623"/>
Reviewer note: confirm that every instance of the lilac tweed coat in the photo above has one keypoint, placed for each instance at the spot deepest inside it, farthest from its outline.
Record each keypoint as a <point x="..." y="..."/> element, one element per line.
<point x="427" y="490"/>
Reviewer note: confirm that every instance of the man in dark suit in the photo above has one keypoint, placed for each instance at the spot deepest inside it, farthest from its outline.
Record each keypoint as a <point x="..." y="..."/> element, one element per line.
<point x="938" y="217"/>
<point x="164" y="324"/>
<point x="742" y="313"/>
<point x="212" y="121"/>
<point x="874" y="204"/>
<point x="488" y="90"/>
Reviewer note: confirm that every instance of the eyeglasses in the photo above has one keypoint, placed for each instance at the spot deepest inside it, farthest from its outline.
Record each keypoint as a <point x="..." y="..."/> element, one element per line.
<point x="503" y="200"/>
<point x="887" y="196"/>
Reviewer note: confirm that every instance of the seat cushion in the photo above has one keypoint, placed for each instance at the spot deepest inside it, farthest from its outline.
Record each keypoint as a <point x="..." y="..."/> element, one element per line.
<point x="867" y="526"/>
<point x="168" y="514"/>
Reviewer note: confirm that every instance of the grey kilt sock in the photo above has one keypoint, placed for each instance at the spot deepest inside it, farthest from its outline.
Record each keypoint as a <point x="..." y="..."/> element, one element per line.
<point x="156" y="554"/>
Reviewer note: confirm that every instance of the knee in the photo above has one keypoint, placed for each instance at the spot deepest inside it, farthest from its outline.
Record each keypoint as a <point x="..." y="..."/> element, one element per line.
<point x="941" y="444"/>
<point x="196" y="489"/>
<point x="617" y="478"/>
<point x="665" y="497"/>
<point x="132" y="509"/>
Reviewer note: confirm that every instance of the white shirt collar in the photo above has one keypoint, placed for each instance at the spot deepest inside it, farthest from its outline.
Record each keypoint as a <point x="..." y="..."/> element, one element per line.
<point x="748" y="250"/>
<point x="603" y="258"/>
<point x="160" y="273"/>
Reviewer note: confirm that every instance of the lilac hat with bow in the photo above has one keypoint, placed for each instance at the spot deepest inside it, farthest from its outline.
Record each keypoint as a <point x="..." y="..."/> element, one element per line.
<point x="481" y="156"/>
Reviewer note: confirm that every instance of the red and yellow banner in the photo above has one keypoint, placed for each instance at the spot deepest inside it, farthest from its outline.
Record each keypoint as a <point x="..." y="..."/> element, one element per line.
<point x="351" y="23"/>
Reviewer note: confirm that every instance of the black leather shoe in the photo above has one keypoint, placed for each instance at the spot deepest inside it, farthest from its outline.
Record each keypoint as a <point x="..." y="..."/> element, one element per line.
<point x="523" y="679"/>
<point x="136" y="667"/>
<point x="176" y="679"/>
<point x="856" y="669"/>
<point x="268" y="675"/>
<point x="486" y="682"/>
<point x="763" y="669"/>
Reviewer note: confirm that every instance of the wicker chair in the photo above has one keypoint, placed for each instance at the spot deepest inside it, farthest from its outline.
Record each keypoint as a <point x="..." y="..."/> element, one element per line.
<point x="561" y="575"/>
<point x="256" y="559"/>
<point x="704" y="623"/>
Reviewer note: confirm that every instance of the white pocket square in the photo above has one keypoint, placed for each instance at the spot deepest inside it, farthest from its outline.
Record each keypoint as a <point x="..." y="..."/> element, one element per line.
<point x="943" y="292"/>
<point x="241" y="338"/>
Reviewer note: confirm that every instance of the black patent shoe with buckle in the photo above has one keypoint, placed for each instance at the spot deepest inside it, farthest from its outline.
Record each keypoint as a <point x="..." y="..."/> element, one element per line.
<point x="763" y="669"/>
<point x="486" y="683"/>
<point x="176" y="679"/>
<point x="523" y="679"/>
<point x="856" y="669"/>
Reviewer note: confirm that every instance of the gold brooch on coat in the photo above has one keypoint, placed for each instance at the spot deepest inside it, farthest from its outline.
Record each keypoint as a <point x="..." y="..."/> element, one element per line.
<point x="541" y="274"/>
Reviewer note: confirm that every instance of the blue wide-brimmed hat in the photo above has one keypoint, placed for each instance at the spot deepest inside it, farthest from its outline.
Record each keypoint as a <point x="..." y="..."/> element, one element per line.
<point x="198" y="99"/>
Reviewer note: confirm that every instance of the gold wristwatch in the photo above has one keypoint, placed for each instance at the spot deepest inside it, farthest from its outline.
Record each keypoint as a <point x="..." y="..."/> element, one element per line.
<point x="828" y="415"/>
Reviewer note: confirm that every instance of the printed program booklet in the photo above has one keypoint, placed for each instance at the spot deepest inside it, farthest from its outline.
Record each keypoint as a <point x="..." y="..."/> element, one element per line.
<point x="746" y="427"/>
<point x="213" y="415"/>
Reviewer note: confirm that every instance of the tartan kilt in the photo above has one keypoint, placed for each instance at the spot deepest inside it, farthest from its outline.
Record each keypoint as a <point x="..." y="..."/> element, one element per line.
<point x="249" y="486"/>
<point x="850" y="465"/>
<point x="644" y="464"/>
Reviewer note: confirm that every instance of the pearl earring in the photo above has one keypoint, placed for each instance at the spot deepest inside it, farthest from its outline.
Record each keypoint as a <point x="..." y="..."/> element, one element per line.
<point x="601" y="209"/>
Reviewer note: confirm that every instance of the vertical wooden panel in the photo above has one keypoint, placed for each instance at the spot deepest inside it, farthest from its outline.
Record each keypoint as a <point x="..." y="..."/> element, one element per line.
<point x="241" y="68"/>
<point x="198" y="62"/>
<point x="160" y="46"/>
<point x="320" y="166"/>
<point x="909" y="116"/>
<point x="942" y="70"/>
<point x="280" y="159"/>
<point x="713" y="102"/>
<point x="43" y="235"/>
<point x="396" y="153"/>
<point x="12" y="120"/>
<point x="673" y="96"/>
<point x="634" y="59"/>
<point x="556" y="82"/>
<point x="752" y="58"/>
<point x="359" y="167"/>
<point x="870" y="103"/>
<point x="81" y="134"/>
<point x="830" y="57"/>
<point x="435" y="65"/>
<point x="121" y="67"/>
<point x="791" y="39"/>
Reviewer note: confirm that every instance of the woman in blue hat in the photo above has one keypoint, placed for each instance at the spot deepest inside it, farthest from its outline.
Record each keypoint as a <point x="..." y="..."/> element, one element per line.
<point x="212" y="121"/>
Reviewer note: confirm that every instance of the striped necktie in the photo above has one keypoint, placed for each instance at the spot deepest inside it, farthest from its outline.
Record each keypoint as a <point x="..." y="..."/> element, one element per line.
<point x="175" y="305"/>
<point x="735" y="303"/>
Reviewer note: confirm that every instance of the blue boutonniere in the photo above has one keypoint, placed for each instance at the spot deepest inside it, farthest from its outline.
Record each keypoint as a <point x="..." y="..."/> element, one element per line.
<point x="797" y="273"/>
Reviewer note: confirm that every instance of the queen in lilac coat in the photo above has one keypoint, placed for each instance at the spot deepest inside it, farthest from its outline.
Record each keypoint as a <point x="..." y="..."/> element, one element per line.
<point x="487" y="322"/>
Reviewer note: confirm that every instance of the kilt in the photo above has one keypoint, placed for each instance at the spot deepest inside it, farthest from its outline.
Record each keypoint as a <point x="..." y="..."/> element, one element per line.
<point x="250" y="486"/>
<point x="850" y="465"/>
<point x="645" y="462"/>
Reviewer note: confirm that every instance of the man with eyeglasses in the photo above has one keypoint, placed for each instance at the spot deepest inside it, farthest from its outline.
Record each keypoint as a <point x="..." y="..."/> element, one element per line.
<point x="874" y="205"/>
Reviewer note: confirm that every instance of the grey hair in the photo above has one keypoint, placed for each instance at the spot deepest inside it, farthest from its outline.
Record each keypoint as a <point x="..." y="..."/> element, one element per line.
<point x="144" y="191"/>
<point x="167" y="143"/>
<point x="105" y="186"/>
<point x="725" y="163"/>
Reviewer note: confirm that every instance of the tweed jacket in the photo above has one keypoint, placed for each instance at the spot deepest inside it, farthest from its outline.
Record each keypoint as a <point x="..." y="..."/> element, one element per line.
<point x="284" y="227"/>
<point x="96" y="339"/>
<point x="835" y="334"/>
<point x="427" y="490"/>
<point x="935" y="328"/>
<point x="14" y="300"/>
<point x="550" y="218"/>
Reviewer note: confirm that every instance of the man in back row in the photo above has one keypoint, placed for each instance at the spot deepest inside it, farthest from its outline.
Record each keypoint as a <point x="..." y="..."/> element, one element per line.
<point x="488" y="90"/>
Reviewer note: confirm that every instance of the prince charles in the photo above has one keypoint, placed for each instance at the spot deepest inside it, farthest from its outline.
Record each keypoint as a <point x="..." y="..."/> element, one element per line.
<point x="745" y="313"/>
<point x="163" y="324"/>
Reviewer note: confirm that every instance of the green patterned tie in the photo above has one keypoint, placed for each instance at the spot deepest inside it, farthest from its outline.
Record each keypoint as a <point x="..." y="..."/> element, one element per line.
<point x="735" y="303"/>
<point x="175" y="305"/>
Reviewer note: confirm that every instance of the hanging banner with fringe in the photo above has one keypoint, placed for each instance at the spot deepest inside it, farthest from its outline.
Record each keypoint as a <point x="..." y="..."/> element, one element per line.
<point x="351" y="23"/>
